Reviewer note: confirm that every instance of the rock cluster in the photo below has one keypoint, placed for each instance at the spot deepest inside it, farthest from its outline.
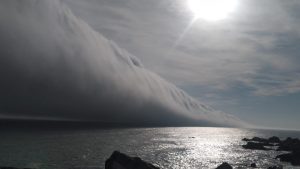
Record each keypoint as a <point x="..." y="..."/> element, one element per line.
<point x="255" y="146"/>
<point x="289" y="144"/>
<point x="293" y="158"/>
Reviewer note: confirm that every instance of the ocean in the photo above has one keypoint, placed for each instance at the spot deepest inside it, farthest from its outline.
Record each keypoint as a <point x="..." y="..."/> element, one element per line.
<point x="168" y="148"/>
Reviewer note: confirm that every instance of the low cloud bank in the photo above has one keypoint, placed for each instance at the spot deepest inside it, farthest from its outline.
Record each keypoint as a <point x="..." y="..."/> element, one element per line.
<point x="54" y="65"/>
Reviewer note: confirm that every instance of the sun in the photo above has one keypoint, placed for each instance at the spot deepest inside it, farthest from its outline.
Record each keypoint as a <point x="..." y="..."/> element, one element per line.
<point x="212" y="10"/>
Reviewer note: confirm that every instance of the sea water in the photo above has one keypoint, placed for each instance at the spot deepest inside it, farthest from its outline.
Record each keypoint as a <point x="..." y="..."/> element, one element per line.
<point x="169" y="148"/>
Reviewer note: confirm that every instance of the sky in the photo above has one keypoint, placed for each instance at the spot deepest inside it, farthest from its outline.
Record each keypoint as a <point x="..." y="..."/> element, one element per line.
<point x="150" y="56"/>
<point x="55" y="66"/>
<point x="246" y="64"/>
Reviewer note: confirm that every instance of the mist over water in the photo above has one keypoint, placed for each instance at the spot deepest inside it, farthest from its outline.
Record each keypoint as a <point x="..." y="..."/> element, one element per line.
<point x="55" y="66"/>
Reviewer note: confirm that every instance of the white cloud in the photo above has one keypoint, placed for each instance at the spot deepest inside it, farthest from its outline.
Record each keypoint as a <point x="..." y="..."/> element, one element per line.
<point x="55" y="65"/>
<point x="218" y="55"/>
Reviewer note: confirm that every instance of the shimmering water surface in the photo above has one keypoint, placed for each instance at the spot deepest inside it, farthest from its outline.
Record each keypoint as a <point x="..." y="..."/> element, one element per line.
<point x="170" y="148"/>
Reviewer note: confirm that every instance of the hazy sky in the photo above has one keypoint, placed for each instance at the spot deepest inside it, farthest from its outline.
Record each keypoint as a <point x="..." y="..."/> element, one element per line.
<point x="139" y="61"/>
<point x="246" y="64"/>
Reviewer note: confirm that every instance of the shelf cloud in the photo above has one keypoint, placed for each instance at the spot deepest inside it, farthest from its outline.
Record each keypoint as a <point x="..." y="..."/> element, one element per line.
<point x="54" y="65"/>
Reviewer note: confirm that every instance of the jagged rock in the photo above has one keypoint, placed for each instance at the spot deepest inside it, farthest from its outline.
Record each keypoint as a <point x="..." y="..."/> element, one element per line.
<point x="253" y="165"/>
<point x="293" y="158"/>
<point x="274" y="139"/>
<point x="255" y="146"/>
<point x="121" y="161"/>
<point x="261" y="140"/>
<point x="246" y="139"/>
<point x="289" y="144"/>
<point x="224" y="166"/>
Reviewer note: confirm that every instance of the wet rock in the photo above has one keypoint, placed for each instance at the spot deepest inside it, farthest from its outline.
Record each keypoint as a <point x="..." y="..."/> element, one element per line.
<point x="261" y="140"/>
<point x="121" y="161"/>
<point x="255" y="146"/>
<point x="289" y="144"/>
<point x="293" y="158"/>
<point x="246" y="139"/>
<point x="274" y="139"/>
<point x="224" y="166"/>
<point x="253" y="165"/>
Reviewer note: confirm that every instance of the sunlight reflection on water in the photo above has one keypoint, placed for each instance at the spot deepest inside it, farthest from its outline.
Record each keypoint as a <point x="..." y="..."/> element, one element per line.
<point x="176" y="148"/>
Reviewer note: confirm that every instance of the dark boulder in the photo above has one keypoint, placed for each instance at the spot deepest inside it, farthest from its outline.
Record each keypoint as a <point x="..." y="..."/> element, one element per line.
<point x="290" y="144"/>
<point x="121" y="161"/>
<point x="293" y="158"/>
<point x="253" y="165"/>
<point x="255" y="146"/>
<point x="224" y="166"/>
<point x="274" y="139"/>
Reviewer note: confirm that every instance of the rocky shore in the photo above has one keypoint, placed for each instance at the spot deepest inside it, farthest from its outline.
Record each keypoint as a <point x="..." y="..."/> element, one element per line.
<point x="290" y="148"/>
<point x="291" y="145"/>
<point x="122" y="161"/>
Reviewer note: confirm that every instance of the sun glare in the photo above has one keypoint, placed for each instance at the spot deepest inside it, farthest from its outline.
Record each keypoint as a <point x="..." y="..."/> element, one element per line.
<point x="212" y="10"/>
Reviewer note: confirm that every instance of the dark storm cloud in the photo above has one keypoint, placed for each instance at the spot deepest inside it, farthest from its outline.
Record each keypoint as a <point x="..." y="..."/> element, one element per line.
<point x="54" y="65"/>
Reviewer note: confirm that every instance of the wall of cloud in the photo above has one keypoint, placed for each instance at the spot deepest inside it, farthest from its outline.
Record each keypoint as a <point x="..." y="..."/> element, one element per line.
<point x="54" y="65"/>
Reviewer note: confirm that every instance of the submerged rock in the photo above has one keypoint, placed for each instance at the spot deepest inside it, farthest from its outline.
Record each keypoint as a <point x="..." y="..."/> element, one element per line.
<point x="224" y="166"/>
<point x="261" y="140"/>
<point x="273" y="139"/>
<point x="255" y="146"/>
<point x="122" y="161"/>
<point x="275" y="167"/>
